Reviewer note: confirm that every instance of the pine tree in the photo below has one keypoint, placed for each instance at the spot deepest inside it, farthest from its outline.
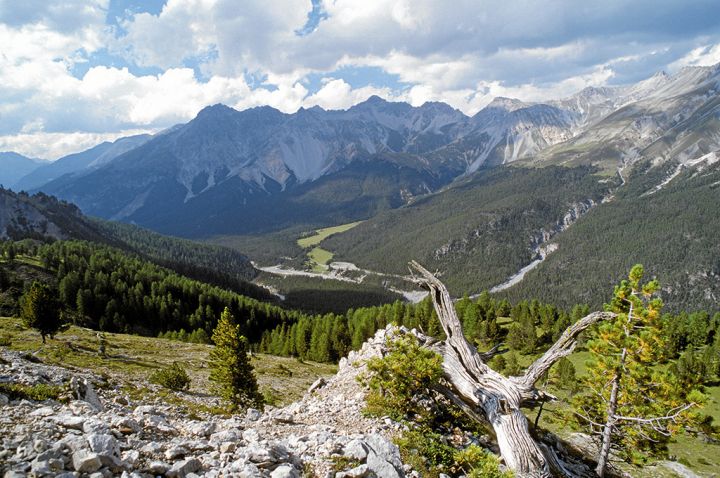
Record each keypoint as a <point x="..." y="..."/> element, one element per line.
<point x="40" y="310"/>
<point x="565" y="375"/>
<point x="628" y="402"/>
<point x="512" y="366"/>
<point x="231" y="370"/>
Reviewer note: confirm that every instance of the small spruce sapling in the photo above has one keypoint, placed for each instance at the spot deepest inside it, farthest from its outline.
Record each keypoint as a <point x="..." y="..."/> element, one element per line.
<point x="40" y="310"/>
<point x="231" y="370"/>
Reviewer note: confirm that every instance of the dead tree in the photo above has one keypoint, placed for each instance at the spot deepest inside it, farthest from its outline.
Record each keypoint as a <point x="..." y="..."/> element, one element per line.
<point x="485" y="394"/>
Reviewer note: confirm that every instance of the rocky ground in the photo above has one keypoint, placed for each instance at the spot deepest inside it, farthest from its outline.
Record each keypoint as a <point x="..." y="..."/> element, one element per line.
<point x="100" y="432"/>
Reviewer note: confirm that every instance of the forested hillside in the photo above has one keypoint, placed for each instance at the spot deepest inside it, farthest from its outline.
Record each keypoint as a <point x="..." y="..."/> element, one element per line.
<point x="673" y="230"/>
<point x="587" y="227"/>
<point x="477" y="232"/>
<point x="107" y="289"/>
<point x="45" y="218"/>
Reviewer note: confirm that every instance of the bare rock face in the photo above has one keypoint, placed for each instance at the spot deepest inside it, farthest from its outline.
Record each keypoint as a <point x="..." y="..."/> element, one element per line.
<point x="104" y="433"/>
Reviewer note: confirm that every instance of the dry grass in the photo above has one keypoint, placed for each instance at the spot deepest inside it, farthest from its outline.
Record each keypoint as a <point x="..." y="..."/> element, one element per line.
<point x="130" y="359"/>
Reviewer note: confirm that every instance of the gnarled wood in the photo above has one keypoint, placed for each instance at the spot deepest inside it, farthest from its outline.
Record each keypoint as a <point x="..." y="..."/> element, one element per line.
<point x="562" y="348"/>
<point x="482" y="392"/>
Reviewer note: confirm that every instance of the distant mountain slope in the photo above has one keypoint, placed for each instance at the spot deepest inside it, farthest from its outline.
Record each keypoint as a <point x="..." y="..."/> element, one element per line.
<point x="671" y="118"/>
<point x="91" y="158"/>
<point x="672" y="230"/>
<point x="576" y="233"/>
<point x="14" y="166"/>
<point x="43" y="217"/>
<point x="477" y="232"/>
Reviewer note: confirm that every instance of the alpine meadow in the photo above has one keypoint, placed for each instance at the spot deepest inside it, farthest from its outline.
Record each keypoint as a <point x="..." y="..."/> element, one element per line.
<point x="342" y="239"/>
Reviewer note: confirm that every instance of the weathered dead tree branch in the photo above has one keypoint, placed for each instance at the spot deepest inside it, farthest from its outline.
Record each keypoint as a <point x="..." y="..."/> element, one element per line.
<point x="481" y="392"/>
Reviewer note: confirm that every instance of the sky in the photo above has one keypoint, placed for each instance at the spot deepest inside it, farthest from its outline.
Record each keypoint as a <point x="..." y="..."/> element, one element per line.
<point x="74" y="73"/>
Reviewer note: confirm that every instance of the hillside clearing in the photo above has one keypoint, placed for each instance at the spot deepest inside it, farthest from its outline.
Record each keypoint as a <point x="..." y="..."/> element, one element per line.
<point x="131" y="358"/>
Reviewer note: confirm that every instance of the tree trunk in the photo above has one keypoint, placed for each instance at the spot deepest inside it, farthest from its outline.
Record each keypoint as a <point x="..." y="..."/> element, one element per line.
<point x="482" y="392"/>
<point x="608" y="428"/>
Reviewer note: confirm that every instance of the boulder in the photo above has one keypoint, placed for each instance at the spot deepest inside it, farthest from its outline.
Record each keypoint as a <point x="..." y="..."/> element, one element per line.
<point x="361" y="471"/>
<point x="82" y="389"/>
<point x="157" y="467"/>
<point x="202" y="429"/>
<point x="285" y="471"/>
<point x="175" y="452"/>
<point x="182" y="468"/>
<point x="253" y="415"/>
<point x="103" y="444"/>
<point x="70" y="421"/>
<point x="85" y="461"/>
<point x="383" y="457"/>
<point x="356" y="450"/>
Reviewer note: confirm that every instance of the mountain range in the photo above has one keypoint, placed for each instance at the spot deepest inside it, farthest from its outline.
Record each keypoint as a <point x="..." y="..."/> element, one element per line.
<point x="14" y="166"/>
<point x="257" y="170"/>
<point x="489" y="201"/>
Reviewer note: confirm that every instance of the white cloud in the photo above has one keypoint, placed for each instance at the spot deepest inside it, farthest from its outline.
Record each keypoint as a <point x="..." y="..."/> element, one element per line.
<point x="463" y="53"/>
<point x="183" y="29"/>
<point x="706" y="55"/>
<point x="37" y="145"/>
<point x="336" y="94"/>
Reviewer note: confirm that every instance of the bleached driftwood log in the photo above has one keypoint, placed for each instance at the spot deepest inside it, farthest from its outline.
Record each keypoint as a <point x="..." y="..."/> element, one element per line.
<point x="485" y="394"/>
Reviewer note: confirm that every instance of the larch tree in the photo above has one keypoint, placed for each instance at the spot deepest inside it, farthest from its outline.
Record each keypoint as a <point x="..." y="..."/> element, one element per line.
<point x="628" y="401"/>
<point x="231" y="370"/>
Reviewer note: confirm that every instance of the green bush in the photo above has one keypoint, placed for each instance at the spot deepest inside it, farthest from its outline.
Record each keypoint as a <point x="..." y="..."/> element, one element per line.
<point x="174" y="377"/>
<point x="426" y="452"/>
<point x="38" y="392"/>
<point x="399" y="378"/>
<point x="429" y="454"/>
<point x="5" y="340"/>
<point x="476" y="462"/>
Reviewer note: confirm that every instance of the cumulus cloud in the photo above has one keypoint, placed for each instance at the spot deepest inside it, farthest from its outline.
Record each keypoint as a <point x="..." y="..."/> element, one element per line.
<point x="706" y="55"/>
<point x="150" y="71"/>
<point x="337" y="94"/>
<point x="35" y="145"/>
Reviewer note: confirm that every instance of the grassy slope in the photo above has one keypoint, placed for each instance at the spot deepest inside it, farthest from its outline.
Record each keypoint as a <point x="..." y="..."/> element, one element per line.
<point x="132" y="358"/>
<point x="318" y="257"/>
<point x="322" y="234"/>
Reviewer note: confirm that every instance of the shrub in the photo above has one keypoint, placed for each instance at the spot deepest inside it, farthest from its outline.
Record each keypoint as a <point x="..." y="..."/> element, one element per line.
<point x="426" y="452"/>
<point x="38" y="392"/>
<point x="397" y="380"/>
<point x="174" y="377"/>
<point x="479" y="463"/>
<point x="429" y="453"/>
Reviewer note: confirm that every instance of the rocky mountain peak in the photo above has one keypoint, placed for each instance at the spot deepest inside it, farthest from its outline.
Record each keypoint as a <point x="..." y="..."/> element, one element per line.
<point x="507" y="104"/>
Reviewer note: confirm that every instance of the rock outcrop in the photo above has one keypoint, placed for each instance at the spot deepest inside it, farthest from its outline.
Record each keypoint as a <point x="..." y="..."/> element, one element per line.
<point x="99" y="432"/>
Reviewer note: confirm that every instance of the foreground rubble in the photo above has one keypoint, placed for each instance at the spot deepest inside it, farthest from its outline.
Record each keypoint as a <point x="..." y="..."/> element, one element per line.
<point x="100" y="432"/>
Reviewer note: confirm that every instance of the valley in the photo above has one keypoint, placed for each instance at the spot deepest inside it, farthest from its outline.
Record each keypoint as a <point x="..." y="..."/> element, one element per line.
<point x="341" y="239"/>
<point x="317" y="256"/>
<point x="301" y="227"/>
